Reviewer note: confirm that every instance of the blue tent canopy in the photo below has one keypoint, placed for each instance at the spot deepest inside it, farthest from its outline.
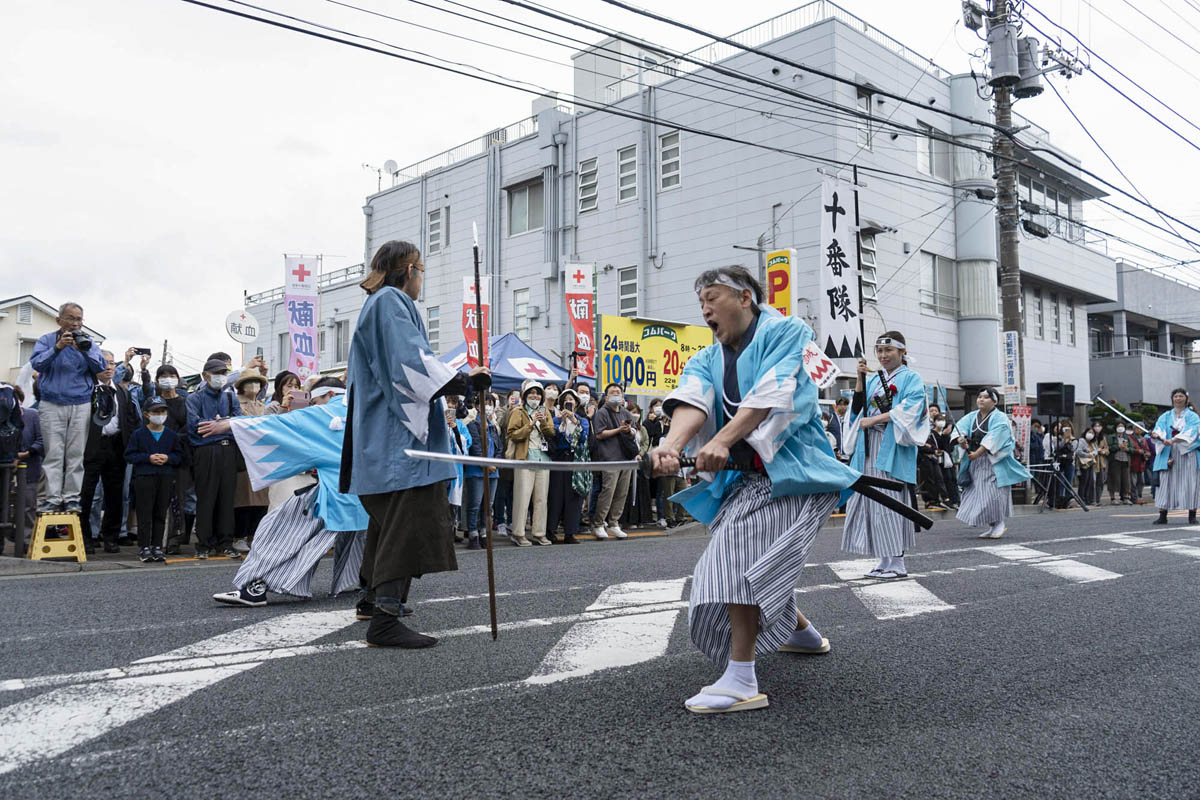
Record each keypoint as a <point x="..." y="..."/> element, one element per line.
<point x="512" y="363"/>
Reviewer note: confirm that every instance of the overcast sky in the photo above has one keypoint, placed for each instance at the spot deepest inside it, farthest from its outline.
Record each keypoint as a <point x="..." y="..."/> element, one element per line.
<point x="158" y="158"/>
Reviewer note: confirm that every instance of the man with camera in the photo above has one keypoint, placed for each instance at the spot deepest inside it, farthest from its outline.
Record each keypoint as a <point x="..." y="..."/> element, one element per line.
<point x="67" y="363"/>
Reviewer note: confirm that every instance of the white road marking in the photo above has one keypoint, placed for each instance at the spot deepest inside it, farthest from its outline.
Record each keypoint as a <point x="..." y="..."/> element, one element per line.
<point x="1181" y="549"/>
<point x="1067" y="568"/>
<point x="893" y="599"/>
<point x="53" y="723"/>
<point x="618" y="642"/>
<point x="1122" y="538"/>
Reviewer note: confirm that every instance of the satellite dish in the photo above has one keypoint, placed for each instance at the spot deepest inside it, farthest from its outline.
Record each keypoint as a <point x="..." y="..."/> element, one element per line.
<point x="390" y="167"/>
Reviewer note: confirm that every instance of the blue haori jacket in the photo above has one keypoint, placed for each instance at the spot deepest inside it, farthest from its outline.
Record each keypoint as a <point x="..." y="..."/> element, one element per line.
<point x="907" y="430"/>
<point x="393" y="379"/>
<point x="791" y="441"/>
<point x="278" y="446"/>
<point x="999" y="443"/>
<point x="1187" y="428"/>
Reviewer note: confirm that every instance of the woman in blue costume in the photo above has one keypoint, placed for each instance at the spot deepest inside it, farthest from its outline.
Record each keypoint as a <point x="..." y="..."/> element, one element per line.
<point x="888" y="421"/>
<point x="1178" y="436"/>
<point x="989" y="470"/>
<point x="744" y="397"/>
<point x="395" y="388"/>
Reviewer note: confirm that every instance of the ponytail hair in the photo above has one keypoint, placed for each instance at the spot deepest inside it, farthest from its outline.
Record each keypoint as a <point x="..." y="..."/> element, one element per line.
<point x="391" y="266"/>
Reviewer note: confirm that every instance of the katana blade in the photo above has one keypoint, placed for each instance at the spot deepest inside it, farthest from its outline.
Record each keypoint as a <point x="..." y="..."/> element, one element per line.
<point x="512" y="463"/>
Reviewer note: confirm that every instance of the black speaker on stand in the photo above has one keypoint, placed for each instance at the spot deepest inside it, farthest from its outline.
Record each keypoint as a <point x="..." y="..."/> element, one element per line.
<point x="1056" y="399"/>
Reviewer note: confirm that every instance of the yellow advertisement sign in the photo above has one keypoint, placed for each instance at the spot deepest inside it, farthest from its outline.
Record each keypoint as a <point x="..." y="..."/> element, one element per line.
<point x="781" y="281"/>
<point x="647" y="356"/>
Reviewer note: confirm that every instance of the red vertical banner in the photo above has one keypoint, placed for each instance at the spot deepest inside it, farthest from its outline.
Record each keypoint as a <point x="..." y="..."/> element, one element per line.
<point x="581" y="308"/>
<point x="471" y="325"/>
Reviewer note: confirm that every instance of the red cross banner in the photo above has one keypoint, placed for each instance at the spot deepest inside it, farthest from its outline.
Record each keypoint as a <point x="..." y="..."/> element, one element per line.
<point x="470" y="325"/>
<point x="533" y="368"/>
<point x="581" y="307"/>
<point x="301" y="304"/>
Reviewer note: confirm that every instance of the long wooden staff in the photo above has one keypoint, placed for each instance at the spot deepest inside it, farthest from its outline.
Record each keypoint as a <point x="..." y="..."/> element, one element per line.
<point x="485" y="432"/>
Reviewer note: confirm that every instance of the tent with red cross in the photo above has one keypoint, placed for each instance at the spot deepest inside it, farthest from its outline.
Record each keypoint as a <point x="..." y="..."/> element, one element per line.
<point x="513" y="362"/>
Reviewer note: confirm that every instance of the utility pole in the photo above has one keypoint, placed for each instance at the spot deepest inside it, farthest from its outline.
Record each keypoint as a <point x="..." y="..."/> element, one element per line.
<point x="1008" y="206"/>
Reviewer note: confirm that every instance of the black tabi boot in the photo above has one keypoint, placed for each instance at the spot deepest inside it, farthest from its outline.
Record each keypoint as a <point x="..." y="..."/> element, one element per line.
<point x="1192" y="517"/>
<point x="1162" y="517"/>
<point x="388" y="631"/>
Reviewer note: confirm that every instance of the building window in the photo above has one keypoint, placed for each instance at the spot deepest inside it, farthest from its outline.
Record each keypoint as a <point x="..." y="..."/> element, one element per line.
<point x="1024" y="191"/>
<point x="866" y="253"/>
<point x="525" y="211"/>
<point x="26" y="350"/>
<point x="627" y="174"/>
<point x="627" y="291"/>
<point x="341" y="340"/>
<point x="938" y="291"/>
<point x="1039" y="315"/>
<point x="1055" y="329"/>
<point x="285" y="351"/>
<point x="437" y="230"/>
<point x="1070" y="321"/>
<point x="321" y="342"/>
<point x="933" y="155"/>
<point x="863" y="120"/>
<point x="668" y="161"/>
<point x="521" y="315"/>
<point x="588" y="180"/>
<point x="433" y="327"/>
<point x="25" y="314"/>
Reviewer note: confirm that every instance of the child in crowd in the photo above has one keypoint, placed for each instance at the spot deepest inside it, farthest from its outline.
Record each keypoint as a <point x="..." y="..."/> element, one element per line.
<point x="154" y="451"/>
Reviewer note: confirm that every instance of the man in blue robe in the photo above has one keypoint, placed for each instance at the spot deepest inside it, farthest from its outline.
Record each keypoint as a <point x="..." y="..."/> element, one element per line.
<point x="749" y="398"/>
<point x="395" y="388"/>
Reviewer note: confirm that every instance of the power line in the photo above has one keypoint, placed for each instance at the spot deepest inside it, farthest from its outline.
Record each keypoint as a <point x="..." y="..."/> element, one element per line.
<point x="1140" y="39"/>
<point x="1161" y="27"/>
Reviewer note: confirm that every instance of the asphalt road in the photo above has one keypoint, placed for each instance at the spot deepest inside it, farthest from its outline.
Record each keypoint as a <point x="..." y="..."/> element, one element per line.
<point x="1059" y="661"/>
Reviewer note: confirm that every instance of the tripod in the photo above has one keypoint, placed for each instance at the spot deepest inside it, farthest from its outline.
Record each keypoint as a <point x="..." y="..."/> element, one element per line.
<point x="1055" y="478"/>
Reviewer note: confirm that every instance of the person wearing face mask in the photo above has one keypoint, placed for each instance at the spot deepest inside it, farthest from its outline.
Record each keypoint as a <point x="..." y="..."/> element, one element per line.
<point x="1102" y="460"/>
<point x="567" y="489"/>
<point x="1064" y="457"/>
<point x="552" y="392"/>
<point x="1121" y="449"/>
<point x="929" y="472"/>
<point x="249" y="506"/>
<point x="888" y="420"/>
<point x="114" y="419"/>
<point x="638" y="508"/>
<point x="989" y="470"/>
<point x="943" y="436"/>
<point x="530" y="432"/>
<point x="503" y="496"/>
<point x="474" y="476"/>
<point x="1139" y="460"/>
<point x="1087" y="465"/>
<point x="1177" y="432"/>
<point x="616" y="440"/>
<point x="214" y="462"/>
<point x="182" y="517"/>
<point x="155" y="452"/>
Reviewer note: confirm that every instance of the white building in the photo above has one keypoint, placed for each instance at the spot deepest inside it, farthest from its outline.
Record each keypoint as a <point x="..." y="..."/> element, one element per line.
<point x="652" y="205"/>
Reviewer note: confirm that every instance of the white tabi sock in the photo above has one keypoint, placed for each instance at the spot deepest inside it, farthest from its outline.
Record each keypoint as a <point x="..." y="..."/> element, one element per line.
<point x="806" y="637"/>
<point x="897" y="565"/>
<point x="739" y="676"/>
<point x="885" y="563"/>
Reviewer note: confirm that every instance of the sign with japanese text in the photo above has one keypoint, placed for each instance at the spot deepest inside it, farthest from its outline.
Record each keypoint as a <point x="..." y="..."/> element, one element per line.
<point x="1021" y="417"/>
<point x="1012" y="381"/>
<point x="781" y="281"/>
<point x="839" y="324"/>
<point x="300" y="303"/>
<point x="647" y="356"/>
<point x="241" y="326"/>
<point x="471" y="325"/>
<point x="581" y="306"/>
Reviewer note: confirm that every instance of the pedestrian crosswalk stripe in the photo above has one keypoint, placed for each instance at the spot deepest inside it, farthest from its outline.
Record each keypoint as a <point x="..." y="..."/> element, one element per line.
<point x="891" y="600"/>
<point x="1067" y="568"/>
<point x="1122" y="538"/>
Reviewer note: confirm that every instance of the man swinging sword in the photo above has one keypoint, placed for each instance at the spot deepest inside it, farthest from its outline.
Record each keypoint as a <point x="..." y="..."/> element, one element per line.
<point x="770" y="480"/>
<point x="744" y="396"/>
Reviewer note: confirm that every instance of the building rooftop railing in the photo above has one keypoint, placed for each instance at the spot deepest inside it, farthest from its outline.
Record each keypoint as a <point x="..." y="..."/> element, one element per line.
<point x="768" y="31"/>
<point x="1142" y="352"/>
<point x="324" y="281"/>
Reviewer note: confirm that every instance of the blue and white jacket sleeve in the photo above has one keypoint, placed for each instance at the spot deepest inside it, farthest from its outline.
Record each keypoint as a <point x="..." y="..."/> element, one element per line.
<point x="698" y="388"/>
<point x="780" y="385"/>
<point x="999" y="441"/>
<point x="408" y="365"/>
<point x="910" y="414"/>
<point x="278" y="446"/>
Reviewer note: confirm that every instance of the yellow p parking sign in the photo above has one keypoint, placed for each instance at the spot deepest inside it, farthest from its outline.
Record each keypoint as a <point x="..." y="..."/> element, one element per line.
<point x="647" y="356"/>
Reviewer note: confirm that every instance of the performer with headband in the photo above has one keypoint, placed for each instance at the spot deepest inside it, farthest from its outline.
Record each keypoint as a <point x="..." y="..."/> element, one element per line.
<point x="396" y="383"/>
<point x="989" y="470"/>
<point x="291" y="540"/>
<point x="1178" y="435"/>
<point x="748" y="396"/>
<point x="889" y="420"/>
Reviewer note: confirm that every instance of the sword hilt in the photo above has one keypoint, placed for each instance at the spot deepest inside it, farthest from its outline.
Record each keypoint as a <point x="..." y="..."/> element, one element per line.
<point x="647" y="468"/>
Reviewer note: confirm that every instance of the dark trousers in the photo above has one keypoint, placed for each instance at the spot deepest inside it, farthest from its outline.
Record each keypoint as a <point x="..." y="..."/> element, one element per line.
<point x="152" y="496"/>
<point x="502" y="502"/>
<point x="929" y="478"/>
<point x="950" y="481"/>
<point x="563" y="504"/>
<point x="105" y="466"/>
<point x="214" y="468"/>
<point x="180" y="531"/>
<point x="245" y="520"/>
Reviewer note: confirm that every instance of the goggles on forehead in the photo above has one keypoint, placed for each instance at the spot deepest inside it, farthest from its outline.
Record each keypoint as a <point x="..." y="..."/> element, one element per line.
<point x="324" y="390"/>
<point x="725" y="280"/>
<point x="887" y="341"/>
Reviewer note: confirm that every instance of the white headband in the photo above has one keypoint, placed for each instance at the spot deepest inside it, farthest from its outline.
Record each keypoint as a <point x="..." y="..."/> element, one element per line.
<point x="887" y="341"/>
<point x="324" y="390"/>
<point x="724" y="280"/>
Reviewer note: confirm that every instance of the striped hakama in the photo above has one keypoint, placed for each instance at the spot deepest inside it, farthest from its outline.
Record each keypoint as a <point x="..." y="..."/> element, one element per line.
<point x="758" y="548"/>
<point x="288" y="545"/>
<point x="870" y="529"/>
<point x="984" y="502"/>
<point x="1178" y="484"/>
